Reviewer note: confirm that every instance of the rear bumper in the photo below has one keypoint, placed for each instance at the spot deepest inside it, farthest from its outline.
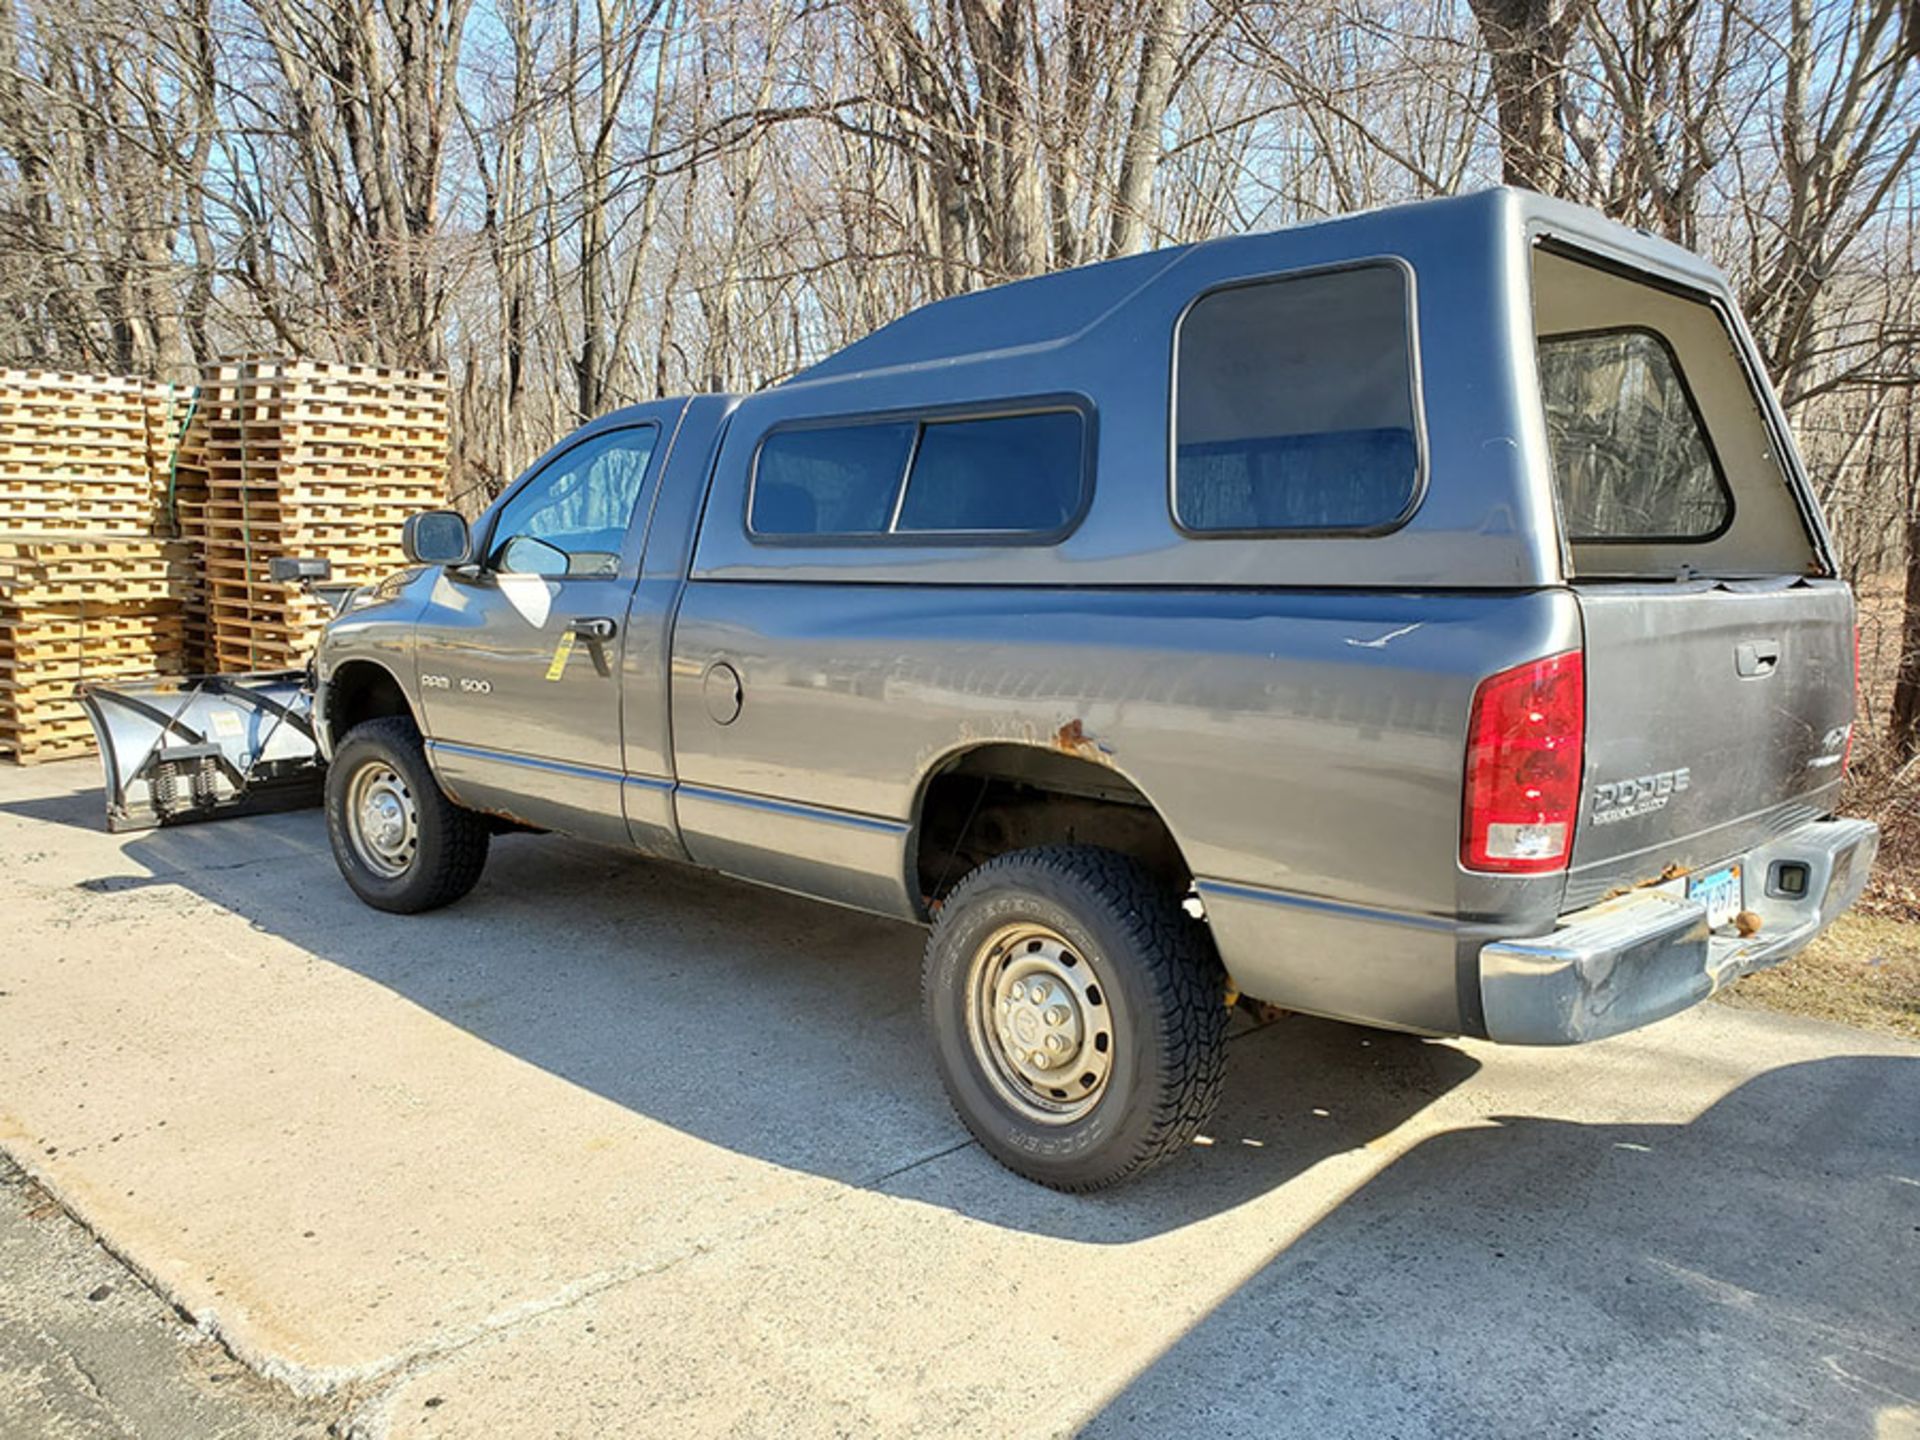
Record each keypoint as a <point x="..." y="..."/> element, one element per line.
<point x="1642" y="956"/>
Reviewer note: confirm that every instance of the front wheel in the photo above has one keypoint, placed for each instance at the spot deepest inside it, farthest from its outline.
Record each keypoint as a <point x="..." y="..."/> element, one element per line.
<point x="401" y="844"/>
<point x="1078" y="1015"/>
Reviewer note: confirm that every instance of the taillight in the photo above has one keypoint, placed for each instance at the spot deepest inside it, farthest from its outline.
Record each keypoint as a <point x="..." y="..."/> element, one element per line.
<point x="1525" y="746"/>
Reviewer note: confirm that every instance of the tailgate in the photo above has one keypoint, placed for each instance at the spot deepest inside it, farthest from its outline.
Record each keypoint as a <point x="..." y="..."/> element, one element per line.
<point x="1717" y="715"/>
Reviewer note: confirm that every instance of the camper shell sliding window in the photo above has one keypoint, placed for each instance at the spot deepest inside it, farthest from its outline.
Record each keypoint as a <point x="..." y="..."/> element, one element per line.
<point x="1665" y="459"/>
<point x="1014" y="477"/>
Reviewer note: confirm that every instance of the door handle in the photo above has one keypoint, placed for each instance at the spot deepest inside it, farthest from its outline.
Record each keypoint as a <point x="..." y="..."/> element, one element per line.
<point x="1756" y="659"/>
<point x="594" y="627"/>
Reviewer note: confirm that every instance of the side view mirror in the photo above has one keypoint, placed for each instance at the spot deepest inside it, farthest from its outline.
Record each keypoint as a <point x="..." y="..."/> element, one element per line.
<point x="312" y="573"/>
<point x="436" y="537"/>
<point x="299" y="569"/>
<point x="530" y="555"/>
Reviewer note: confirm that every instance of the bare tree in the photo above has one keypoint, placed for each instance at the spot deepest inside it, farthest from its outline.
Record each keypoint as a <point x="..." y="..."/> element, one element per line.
<point x="581" y="206"/>
<point x="1526" y="43"/>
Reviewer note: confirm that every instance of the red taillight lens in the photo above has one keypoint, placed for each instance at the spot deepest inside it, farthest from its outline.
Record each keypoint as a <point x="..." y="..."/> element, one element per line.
<point x="1525" y="746"/>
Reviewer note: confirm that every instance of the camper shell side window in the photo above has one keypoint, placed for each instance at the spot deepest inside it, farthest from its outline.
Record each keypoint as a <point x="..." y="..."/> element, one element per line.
<point x="1020" y="475"/>
<point x="1295" y="406"/>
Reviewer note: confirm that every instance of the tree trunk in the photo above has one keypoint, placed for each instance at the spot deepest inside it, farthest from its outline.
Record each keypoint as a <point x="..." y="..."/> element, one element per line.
<point x="1905" y="719"/>
<point x="1152" y="94"/>
<point x="1526" y="43"/>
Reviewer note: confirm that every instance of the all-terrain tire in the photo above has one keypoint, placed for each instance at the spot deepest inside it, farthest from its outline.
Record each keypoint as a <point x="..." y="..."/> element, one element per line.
<point x="448" y="847"/>
<point x="1163" y="995"/>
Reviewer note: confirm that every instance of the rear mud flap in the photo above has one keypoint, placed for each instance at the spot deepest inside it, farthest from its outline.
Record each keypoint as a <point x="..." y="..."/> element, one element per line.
<point x="204" y="748"/>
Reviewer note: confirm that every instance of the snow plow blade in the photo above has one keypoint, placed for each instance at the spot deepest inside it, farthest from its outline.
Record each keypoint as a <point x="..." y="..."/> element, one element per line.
<point x="204" y="747"/>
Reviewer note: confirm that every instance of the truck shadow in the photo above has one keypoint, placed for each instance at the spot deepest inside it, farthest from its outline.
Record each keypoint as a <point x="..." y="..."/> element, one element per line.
<point x="1761" y="1262"/>
<point x="766" y="1024"/>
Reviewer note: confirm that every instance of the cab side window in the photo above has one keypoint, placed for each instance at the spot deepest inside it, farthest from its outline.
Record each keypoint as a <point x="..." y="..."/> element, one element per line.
<point x="570" y="520"/>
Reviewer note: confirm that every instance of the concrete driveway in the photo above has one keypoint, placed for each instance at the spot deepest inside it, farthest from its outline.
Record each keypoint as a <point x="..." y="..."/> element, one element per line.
<point x="618" y="1148"/>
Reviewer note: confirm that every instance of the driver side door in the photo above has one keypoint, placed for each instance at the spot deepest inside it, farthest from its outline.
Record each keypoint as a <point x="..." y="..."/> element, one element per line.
<point x="519" y="653"/>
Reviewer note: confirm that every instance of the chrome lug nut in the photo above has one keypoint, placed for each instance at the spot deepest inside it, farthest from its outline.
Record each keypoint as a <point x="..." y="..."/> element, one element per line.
<point x="1056" y="1015"/>
<point x="1057" y="1044"/>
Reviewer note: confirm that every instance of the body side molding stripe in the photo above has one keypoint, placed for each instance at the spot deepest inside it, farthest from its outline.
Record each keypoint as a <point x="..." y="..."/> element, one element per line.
<point x="817" y="813"/>
<point x="1264" y="896"/>
<point x="532" y="762"/>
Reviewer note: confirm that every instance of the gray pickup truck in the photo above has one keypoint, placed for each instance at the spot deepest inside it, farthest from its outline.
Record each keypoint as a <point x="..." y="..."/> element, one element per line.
<point x="1420" y="618"/>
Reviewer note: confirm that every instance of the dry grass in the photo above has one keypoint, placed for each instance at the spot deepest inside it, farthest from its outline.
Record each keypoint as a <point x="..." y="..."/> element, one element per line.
<point x="1865" y="971"/>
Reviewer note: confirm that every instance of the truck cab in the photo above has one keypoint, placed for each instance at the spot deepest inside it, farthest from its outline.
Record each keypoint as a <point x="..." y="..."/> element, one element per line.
<point x="1420" y="618"/>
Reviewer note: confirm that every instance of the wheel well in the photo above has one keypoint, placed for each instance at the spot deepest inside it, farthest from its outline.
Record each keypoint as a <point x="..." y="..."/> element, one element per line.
<point x="997" y="798"/>
<point x="360" y="691"/>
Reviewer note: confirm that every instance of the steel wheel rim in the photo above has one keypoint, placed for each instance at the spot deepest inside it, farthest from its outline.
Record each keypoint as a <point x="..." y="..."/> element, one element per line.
<point x="383" y="823"/>
<point x="1040" y="1024"/>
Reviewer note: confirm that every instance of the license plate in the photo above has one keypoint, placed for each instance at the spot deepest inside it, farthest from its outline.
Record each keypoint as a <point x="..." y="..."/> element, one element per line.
<point x="1719" y="891"/>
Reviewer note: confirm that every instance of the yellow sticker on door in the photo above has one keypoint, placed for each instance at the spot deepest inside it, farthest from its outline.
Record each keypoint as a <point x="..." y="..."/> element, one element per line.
<point x="561" y="652"/>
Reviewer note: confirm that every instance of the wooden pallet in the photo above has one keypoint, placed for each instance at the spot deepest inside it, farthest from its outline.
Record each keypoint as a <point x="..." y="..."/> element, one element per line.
<point x="55" y="629"/>
<point x="107" y="570"/>
<point x="162" y="637"/>
<point x="302" y="458"/>
<point x="57" y="633"/>
<point x="77" y="607"/>
<point x="77" y="452"/>
<point x="39" y="750"/>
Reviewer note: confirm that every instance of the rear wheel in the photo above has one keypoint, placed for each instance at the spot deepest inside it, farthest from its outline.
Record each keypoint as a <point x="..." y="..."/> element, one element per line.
<point x="1078" y="1015"/>
<point x="401" y="844"/>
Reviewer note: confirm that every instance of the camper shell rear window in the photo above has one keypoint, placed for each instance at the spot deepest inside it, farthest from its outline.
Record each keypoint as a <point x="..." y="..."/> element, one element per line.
<point x="1667" y="456"/>
<point x="1631" y="457"/>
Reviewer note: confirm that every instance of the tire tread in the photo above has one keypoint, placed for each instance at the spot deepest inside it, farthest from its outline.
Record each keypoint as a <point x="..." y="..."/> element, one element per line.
<point x="465" y="836"/>
<point x="1183" y="974"/>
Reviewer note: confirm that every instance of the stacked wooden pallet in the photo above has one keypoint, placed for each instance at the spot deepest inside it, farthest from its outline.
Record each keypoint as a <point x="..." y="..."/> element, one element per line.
<point x="308" y="459"/>
<point x="137" y="521"/>
<point x="76" y="453"/>
<point x="86" y="591"/>
<point x="74" y="608"/>
<point x="180" y="483"/>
